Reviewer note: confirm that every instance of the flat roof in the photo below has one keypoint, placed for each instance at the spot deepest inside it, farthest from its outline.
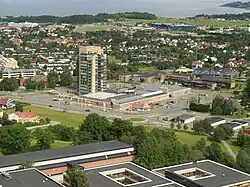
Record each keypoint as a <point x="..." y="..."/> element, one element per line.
<point x="232" y="125"/>
<point x="100" y="95"/>
<point x="242" y="122"/>
<point x="221" y="175"/>
<point x="185" y="116"/>
<point x="51" y="154"/>
<point x="99" y="180"/>
<point x="212" y="120"/>
<point x="28" y="177"/>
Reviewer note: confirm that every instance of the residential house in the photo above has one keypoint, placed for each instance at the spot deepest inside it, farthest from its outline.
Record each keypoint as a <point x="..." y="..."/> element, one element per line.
<point x="6" y="103"/>
<point x="23" y="117"/>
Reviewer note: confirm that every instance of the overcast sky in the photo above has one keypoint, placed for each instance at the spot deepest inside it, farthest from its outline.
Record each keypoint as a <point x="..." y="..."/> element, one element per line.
<point x="175" y="8"/>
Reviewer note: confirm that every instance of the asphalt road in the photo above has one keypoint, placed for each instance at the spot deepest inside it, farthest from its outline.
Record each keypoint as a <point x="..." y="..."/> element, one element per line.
<point x="46" y="100"/>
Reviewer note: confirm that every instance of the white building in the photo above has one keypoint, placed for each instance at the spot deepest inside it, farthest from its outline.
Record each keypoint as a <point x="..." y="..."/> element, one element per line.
<point x="7" y="62"/>
<point x="20" y="73"/>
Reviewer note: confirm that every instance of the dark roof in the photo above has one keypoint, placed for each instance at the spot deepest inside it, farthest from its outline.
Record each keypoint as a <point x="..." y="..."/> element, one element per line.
<point x="240" y="121"/>
<point x="222" y="175"/>
<point x="98" y="180"/>
<point x="212" y="120"/>
<point x="185" y="116"/>
<point x="232" y="125"/>
<point x="51" y="154"/>
<point x="25" y="178"/>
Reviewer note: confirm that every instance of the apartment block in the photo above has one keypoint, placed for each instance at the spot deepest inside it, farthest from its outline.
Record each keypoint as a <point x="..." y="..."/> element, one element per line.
<point x="92" y="69"/>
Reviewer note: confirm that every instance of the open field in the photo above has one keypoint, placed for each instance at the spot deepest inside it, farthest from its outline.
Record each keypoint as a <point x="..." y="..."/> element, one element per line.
<point x="68" y="119"/>
<point x="234" y="146"/>
<point x="61" y="144"/>
<point x="149" y="69"/>
<point x="95" y="28"/>
<point x="136" y="119"/>
<point x="198" y="21"/>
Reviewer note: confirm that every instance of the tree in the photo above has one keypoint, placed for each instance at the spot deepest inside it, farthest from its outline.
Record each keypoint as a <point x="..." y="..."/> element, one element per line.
<point x="241" y="138"/>
<point x="9" y="84"/>
<point x="217" y="105"/>
<point x="52" y="82"/>
<point x="179" y="126"/>
<point x="77" y="177"/>
<point x="19" y="107"/>
<point x="27" y="164"/>
<point x="15" y="139"/>
<point x="201" y="145"/>
<point x="150" y="153"/>
<point x="5" y="117"/>
<point x="214" y="152"/>
<point x="44" y="139"/>
<point x="97" y="127"/>
<point x="121" y="128"/>
<point x="185" y="127"/>
<point x="66" y="78"/>
<point x="222" y="132"/>
<point x="172" y="125"/>
<point x="202" y="127"/>
<point x="243" y="160"/>
<point x="53" y="79"/>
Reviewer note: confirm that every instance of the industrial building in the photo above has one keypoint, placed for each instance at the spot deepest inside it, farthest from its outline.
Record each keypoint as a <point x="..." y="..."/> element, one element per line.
<point x="110" y="164"/>
<point x="124" y="98"/>
<point x="92" y="69"/>
<point x="169" y="26"/>
<point x="205" y="173"/>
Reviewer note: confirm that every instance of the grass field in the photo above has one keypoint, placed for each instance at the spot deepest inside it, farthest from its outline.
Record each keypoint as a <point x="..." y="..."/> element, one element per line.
<point x="136" y="119"/>
<point x="95" y="28"/>
<point x="61" y="144"/>
<point x="198" y="21"/>
<point x="149" y="69"/>
<point x="234" y="146"/>
<point x="68" y="119"/>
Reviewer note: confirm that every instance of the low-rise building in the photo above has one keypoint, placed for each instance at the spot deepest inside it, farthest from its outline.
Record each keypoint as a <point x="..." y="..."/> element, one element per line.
<point x="6" y="103"/>
<point x="24" y="117"/>
<point x="6" y="63"/>
<point x="215" y="121"/>
<point x="186" y="119"/>
<point x="20" y="73"/>
<point x="205" y="173"/>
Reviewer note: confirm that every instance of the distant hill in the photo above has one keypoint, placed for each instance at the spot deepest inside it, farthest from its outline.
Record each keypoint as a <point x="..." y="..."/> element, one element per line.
<point x="80" y="19"/>
<point x="237" y="4"/>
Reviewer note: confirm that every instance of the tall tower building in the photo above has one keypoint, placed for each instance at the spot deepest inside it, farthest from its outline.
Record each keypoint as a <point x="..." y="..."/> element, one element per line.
<point x="92" y="69"/>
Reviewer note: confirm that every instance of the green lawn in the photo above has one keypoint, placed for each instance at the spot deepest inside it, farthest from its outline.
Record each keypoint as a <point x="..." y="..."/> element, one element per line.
<point x="234" y="146"/>
<point x="136" y="119"/>
<point x="188" y="138"/>
<point x="198" y="21"/>
<point x="61" y="144"/>
<point x="68" y="119"/>
<point x="95" y="28"/>
<point x="149" y="69"/>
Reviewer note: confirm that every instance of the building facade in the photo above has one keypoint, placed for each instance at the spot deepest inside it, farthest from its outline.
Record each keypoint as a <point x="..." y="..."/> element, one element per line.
<point x="92" y="69"/>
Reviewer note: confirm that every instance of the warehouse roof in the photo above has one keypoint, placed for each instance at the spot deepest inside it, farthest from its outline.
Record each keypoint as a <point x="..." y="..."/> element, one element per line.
<point x="212" y="120"/>
<point x="51" y="154"/>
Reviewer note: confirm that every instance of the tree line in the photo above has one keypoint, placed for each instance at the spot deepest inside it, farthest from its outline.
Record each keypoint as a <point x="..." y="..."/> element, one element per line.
<point x="80" y="19"/>
<point x="155" y="148"/>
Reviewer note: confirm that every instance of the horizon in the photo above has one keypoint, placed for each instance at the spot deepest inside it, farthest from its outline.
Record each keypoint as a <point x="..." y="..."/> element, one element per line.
<point x="162" y="8"/>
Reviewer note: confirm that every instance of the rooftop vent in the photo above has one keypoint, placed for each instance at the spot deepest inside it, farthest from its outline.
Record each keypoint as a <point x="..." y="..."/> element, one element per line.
<point x="6" y="175"/>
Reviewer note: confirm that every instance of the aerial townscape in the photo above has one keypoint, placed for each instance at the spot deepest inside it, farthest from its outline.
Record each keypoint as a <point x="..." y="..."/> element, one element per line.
<point x="125" y="99"/>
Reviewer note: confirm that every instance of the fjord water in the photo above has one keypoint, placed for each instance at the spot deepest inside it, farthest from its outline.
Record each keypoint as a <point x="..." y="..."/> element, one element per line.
<point x="167" y="8"/>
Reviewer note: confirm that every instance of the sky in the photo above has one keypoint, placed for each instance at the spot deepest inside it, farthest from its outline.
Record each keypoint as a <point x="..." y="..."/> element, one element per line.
<point x="168" y="8"/>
